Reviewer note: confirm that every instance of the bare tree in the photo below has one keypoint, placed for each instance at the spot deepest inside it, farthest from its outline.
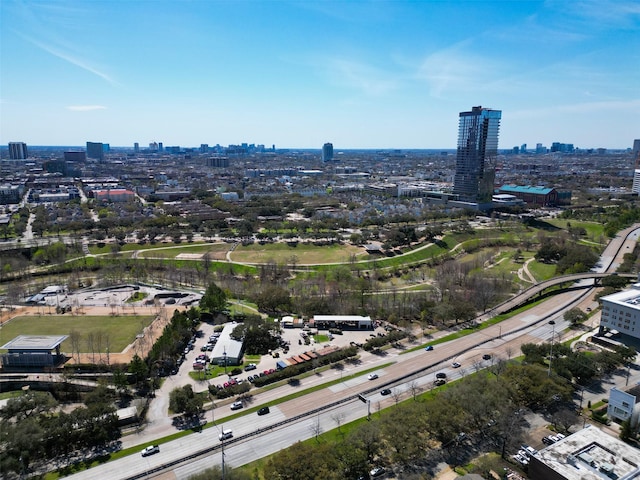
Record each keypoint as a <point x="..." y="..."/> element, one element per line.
<point x="75" y="338"/>
<point x="91" y="346"/>
<point x="338" y="418"/>
<point x="509" y="352"/>
<point x="477" y="365"/>
<point x="107" y="343"/>
<point x="316" y="428"/>
<point x="98" y="342"/>
<point x="395" y="394"/>
<point x="415" y="388"/>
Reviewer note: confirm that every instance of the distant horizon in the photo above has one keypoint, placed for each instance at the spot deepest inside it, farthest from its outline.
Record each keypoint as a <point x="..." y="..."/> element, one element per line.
<point x="145" y="149"/>
<point x="361" y="74"/>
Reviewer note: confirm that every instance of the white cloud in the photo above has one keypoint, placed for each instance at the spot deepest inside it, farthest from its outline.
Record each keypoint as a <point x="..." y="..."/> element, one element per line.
<point x="56" y="52"/>
<point x="353" y="74"/>
<point x="451" y="71"/>
<point x="85" y="108"/>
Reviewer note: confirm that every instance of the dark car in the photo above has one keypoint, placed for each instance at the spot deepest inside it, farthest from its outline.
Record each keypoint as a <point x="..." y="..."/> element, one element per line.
<point x="486" y="356"/>
<point x="428" y="348"/>
<point x="386" y="391"/>
<point x="263" y="411"/>
<point x="441" y="375"/>
<point x="439" y="382"/>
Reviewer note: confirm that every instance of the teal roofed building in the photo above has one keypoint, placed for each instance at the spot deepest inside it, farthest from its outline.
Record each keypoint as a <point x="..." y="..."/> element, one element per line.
<point x="537" y="196"/>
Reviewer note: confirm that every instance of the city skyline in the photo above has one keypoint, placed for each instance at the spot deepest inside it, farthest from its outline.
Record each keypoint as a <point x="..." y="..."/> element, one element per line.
<point x="360" y="75"/>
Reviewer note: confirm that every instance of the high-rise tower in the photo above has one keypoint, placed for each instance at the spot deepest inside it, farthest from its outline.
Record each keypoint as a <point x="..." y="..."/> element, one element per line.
<point x="477" y="154"/>
<point x="327" y="152"/>
<point x="95" y="150"/>
<point x="18" y="151"/>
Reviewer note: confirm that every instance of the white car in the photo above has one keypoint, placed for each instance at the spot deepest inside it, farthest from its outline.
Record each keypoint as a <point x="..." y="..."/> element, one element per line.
<point x="456" y="365"/>
<point x="377" y="471"/>
<point x="150" y="450"/>
<point x="372" y="376"/>
<point x="237" y="405"/>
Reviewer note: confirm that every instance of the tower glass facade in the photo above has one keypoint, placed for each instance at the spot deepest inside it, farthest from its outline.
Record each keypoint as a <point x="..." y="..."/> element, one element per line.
<point x="476" y="154"/>
<point x="18" y="151"/>
<point x="327" y="152"/>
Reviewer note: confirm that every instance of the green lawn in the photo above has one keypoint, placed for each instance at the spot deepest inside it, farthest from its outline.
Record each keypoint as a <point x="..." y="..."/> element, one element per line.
<point x="217" y="250"/>
<point x="542" y="271"/>
<point x="121" y="330"/>
<point x="305" y="253"/>
<point x="594" y="230"/>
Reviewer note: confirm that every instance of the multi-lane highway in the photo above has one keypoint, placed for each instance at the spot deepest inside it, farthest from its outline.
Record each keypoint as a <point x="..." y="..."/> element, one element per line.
<point x="300" y="418"/>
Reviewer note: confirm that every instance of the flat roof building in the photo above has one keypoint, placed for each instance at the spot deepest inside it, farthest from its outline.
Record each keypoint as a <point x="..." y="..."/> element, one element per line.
<point x="588" y="454"/>
<point x="33" y="352"/>
<point x="345" y="322"/>
<point x="621" y="312"/>
<point x="227" y="349"/>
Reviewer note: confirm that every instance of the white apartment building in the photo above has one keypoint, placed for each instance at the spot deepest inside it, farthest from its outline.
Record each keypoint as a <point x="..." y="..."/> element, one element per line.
<point x="624" y="405"/>
<point x="621" y="312"/>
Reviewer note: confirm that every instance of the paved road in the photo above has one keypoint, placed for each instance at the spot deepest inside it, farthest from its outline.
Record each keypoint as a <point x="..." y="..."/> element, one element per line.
<point x="531" y="326"/>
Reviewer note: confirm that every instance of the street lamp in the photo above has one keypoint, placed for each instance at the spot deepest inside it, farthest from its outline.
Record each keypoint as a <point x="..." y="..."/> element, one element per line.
<point x="224" y="356"/>
<point x="553" y="332"/>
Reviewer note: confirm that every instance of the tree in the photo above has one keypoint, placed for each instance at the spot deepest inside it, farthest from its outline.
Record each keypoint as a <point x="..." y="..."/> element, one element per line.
<point x="575" y="316"/>
<point x="75" y="340"/>
<point x="214" y="299"/>
<point x="28" y="405"/>
<point x="139" y="369"/>
<point x="184" y="400"/>
<point x="627" y="432"/>
<point x="274" y="299"/>
<point x="303" y="461"/>
<point x="564" y="418"/>
<point x="215" y="473"/>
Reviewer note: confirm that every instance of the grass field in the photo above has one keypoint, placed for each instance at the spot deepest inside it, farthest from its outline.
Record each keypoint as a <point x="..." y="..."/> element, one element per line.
<point x="122" y="330"/>
<point x="305" y="253"/>
<point x="217" y="250"/>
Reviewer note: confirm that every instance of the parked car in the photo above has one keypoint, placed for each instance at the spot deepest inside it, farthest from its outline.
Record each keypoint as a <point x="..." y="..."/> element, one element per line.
<point x="376" y="472"/>
<point x="263" y="411"/>
<point x="386" y="391"/>
<point x="521" y="459"/>
<point x="251" y="366"/>
<point x="372" y="376"/>
<point x="150" y="450"/>
<point x="237" y="405"/>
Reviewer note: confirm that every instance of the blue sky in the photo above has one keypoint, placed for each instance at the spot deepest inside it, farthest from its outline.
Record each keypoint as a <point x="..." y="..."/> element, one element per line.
<point x="297" y="74"/>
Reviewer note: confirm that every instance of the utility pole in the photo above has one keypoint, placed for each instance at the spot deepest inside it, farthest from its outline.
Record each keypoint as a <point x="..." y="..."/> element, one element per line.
<point x="553" y="333"/>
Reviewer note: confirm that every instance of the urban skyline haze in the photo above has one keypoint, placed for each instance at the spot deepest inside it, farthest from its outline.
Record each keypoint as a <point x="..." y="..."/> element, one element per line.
<point x="298" y="74"/>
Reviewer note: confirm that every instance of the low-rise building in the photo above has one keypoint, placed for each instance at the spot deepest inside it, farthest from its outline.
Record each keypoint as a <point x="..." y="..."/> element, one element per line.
<point x="33" y="353"/>
<point x="624" y="405"/>
<point x="344" y="322"/>
<point x="588" y="454"/>
<point x="227" y="350"/>
<point x="621" y="312"/>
